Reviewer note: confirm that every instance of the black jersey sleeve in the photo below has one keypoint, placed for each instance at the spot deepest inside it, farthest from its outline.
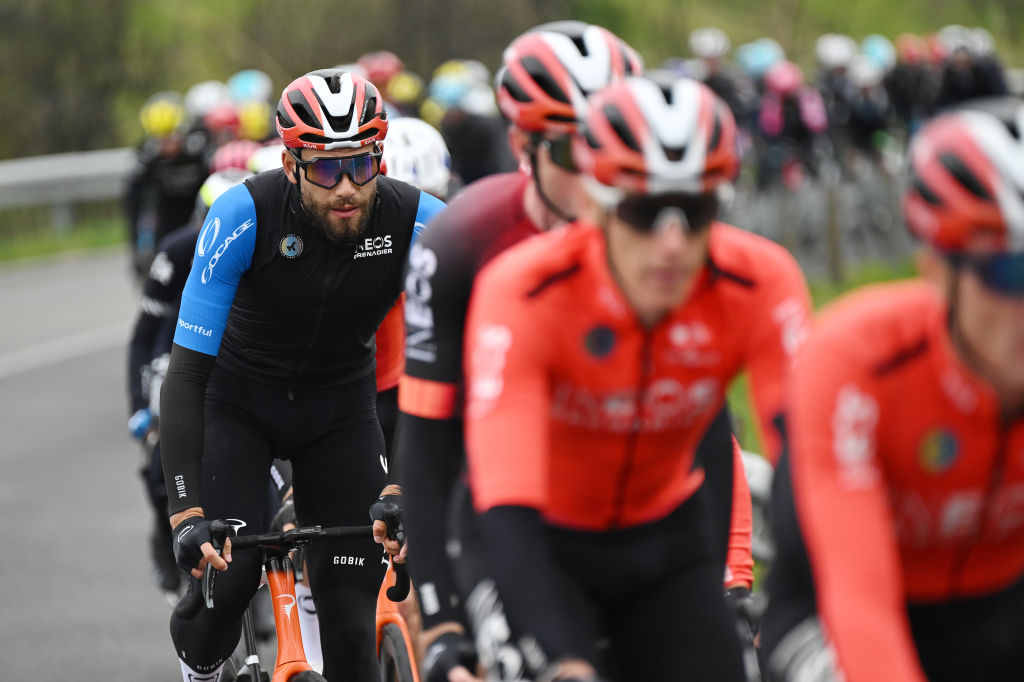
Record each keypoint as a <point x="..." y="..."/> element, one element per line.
<point x="181" y="426"/>
<point x="428" y="444"/>
<point x="161" y="293"/>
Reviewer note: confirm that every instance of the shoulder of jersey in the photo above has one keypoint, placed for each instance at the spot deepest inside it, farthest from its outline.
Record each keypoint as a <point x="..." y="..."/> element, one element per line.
<point x="749" y="256"/>
<point x="479" y="206"/>
<point x="879" y="321"/>
<point x="541" y="262"/>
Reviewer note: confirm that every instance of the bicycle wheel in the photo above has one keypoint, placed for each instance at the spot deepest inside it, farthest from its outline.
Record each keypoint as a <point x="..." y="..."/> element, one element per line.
<point x="395" y="661"/>
<point x="307" y="676"/>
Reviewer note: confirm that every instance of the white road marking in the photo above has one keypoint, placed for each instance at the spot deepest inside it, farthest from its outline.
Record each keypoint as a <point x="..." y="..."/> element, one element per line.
<point x="63" y="348"/>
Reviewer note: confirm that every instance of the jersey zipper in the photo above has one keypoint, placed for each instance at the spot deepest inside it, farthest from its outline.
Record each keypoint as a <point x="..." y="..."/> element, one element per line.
<point x="994" y="483"/>
<point x="629" y="457"/>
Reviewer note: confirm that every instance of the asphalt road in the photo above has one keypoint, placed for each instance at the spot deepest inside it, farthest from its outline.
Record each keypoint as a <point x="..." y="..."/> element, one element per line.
<point x="76" y="599"/>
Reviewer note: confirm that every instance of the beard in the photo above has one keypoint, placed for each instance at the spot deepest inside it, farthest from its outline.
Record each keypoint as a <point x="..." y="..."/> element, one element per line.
<point x="337" y="228"/>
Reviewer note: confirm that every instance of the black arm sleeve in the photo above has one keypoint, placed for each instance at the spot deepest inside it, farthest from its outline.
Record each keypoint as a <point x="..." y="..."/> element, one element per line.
<point x="428" y="452"/>
<point x="140" y="352"/>
<point x="531" y="584"/>
<point x="181" y="425"/>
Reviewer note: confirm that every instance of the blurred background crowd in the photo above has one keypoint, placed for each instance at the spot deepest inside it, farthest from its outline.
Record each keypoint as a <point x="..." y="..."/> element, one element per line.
<point x="826" y="97"/>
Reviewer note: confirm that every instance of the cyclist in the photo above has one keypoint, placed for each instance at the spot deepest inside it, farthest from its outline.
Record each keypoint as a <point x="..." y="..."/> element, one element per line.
<point x="596" y="357"/>
<point x="896" y="509"/>
<point x="161" y="190"/>
<point x="147" y="358"/>
<point x="791" y="119"/>
<point x="486" y="218"/>
<point x="293" y="273"/>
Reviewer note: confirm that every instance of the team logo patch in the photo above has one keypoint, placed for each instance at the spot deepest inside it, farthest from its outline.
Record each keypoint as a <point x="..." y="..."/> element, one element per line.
<point x="599" y="341"/>
<point x="291" y="246"/>
<point x="938" y="451"/>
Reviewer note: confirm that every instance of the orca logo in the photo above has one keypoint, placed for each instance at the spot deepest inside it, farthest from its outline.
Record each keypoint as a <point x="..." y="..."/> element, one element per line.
<point x="208" y="237"/>
<point x="291" y="246"/>
<point x="288" y="604"/>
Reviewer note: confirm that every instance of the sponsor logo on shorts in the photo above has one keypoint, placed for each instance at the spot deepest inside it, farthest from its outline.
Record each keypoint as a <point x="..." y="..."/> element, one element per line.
<point x="349" y="561"/>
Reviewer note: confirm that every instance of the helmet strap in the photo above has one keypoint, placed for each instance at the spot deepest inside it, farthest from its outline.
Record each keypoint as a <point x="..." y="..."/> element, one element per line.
<point x="531" y="152"/>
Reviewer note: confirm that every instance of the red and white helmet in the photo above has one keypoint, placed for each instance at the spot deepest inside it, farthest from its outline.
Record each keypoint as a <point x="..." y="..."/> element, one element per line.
<point x="331" y="109"/>
<point x="784" y="78"/>
<point x="967" y="178"/>
<point x="234" y="154"/>
<point x="548" y="72"/>
<point x="657" y="135"/>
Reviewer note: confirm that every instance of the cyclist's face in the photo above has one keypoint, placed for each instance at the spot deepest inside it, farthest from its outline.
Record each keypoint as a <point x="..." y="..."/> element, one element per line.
<point x="343" y="211"/>
<point x="559" y="184"/>
<point x="993" y="326"/>
<point x="655" y="268"/>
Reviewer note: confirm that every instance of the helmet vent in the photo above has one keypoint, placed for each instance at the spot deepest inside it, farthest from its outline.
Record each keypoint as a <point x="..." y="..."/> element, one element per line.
<point x="543" y="78"/>
<point x="716" y="135"/>
<point x="929" y="196"/>
<point x="618" y="124"/>
<point x="513" y="88"/>
<point x="675" y="153"/>
<point x="335" y="122"/>
<point x="963" y="175"/>
<point x="301" y="107"/>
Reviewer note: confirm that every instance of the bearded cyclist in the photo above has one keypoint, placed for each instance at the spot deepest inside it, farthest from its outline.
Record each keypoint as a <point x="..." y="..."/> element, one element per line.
<point x="293" y="273"/>
<point x="596" y="357"/>
<point x="897" y="508"/>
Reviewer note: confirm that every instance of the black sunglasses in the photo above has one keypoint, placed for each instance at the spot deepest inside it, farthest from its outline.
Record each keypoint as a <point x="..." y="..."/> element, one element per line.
<point x="648" y="213"/>
<point x="328" y="172"/>
<point x="1001" y="273"/>
<point x="560" y="151"/>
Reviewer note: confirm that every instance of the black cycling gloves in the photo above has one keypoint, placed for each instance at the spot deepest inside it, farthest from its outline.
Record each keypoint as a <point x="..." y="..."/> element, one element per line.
<point x="188" y="538"/>
<point x="450" y="650"/>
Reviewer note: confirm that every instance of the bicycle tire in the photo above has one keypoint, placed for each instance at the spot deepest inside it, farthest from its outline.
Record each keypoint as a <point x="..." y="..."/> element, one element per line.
<point x="395" y="661"/>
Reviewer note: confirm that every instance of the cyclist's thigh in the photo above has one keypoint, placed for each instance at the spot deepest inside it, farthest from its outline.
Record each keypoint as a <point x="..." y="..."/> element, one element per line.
<point x="714" y="452"/>
<point x="680" y="629"/>
<point x="497" y="638"/>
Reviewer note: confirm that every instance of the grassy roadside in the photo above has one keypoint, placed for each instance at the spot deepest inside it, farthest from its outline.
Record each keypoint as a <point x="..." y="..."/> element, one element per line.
<point x="88" y="233"/>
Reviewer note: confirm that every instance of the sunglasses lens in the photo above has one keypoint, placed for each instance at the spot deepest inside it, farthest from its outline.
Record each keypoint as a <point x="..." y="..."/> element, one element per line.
<point x="1003" y="274"/>
<point x="327" y="173"/>
<point x="561" y="153"/>
<point x="648" y="213"/>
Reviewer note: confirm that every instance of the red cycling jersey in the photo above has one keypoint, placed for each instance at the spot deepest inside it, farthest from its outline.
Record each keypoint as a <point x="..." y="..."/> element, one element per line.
<point x="577" y="410"/>
<point x="390" y="339"/>
<point x="907" y="485"/>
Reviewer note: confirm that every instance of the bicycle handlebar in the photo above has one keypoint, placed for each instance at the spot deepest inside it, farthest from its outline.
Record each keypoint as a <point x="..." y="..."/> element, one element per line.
<point x="198" y="592"/>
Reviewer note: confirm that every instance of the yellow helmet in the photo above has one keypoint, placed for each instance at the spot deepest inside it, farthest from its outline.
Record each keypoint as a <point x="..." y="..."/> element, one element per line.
<point x="162" y="114"/>
<point x="254" y="119"/>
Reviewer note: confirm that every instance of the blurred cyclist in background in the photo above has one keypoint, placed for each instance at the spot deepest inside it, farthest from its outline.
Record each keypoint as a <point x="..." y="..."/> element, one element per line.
<point x="971" y="68"/>
<point x="710" y="46"/>
<point x="147" y="362"/>
<point x="171" y="166"/>
<point x="791" y="120"/>
<point x="596" y="356"/>
<point x="897" y="507"/>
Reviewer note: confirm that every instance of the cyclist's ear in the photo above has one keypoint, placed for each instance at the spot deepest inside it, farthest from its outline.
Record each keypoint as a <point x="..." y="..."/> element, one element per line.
<point x="291" y="168"/>
<point x="521" y="145"/>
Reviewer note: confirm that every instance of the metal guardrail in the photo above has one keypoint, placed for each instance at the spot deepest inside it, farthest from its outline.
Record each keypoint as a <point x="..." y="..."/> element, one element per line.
<point x="62" y="180"/>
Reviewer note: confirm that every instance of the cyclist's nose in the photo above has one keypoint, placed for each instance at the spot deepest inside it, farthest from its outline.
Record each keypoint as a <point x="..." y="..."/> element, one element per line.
<point x="346" y="187"/>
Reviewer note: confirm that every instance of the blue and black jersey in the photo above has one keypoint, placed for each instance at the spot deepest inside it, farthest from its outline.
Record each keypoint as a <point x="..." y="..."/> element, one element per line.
<point x="274" y="299"/>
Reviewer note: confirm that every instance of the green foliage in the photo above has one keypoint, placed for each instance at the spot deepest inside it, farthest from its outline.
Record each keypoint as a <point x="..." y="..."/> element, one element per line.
<point x="87" y="234"/>
<point x="76" y="73"/>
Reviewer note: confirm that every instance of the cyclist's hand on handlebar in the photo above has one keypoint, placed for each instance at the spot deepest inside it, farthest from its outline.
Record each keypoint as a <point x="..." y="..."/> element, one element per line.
<point x="389" y="504"/>
<point x="449" y="656"/>
<point x="193" y="546"/>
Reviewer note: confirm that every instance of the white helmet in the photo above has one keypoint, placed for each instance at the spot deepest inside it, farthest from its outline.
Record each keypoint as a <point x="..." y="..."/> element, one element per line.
<point x="203" y="97"/>
<point x="835" y="51"/>
<point x="416" y="153"/>
<point x="709" y="43"/>
<point x="865" y="72"/>
<point x="266" y="158"/>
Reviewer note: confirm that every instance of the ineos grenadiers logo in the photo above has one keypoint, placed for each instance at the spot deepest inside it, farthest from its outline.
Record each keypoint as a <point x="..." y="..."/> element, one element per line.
<point x="206" y="239"/>
<point x="374" y="246"/>
<point x="239" y="231"/>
